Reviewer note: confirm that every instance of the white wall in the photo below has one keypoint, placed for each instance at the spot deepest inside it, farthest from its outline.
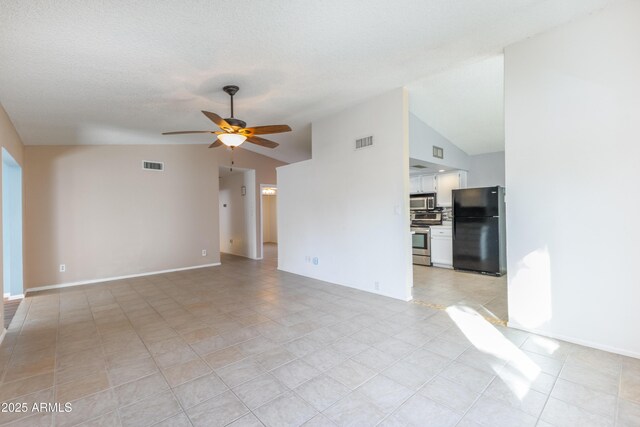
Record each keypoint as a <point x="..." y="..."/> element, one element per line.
<point x="237" y="214"/>
<point x="572" y="101"/>
<point x="486" y="170"/>
<point x="349" y="208"/>
<point x="423" y="137"/>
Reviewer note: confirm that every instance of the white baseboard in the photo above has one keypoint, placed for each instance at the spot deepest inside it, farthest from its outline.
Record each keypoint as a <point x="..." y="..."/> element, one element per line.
<point x="572" y="340"/>
<point x="447" y="266"/>
<point x="371" y="291"/>
<point x="242" y="255"/>
<point x="2" y="335"/>
<point x="110" y="279"/>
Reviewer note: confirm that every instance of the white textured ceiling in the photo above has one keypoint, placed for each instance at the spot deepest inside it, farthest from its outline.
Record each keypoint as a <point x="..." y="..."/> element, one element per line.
<point x="121" y="72"/>
<point x="464" y="104"/>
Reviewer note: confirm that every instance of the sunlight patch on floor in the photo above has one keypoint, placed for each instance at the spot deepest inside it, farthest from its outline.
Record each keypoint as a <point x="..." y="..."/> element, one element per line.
<point x="519" y="372"/>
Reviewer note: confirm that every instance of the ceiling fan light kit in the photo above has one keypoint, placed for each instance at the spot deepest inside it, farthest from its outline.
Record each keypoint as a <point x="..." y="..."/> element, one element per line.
<point x="232" y="139"/>
<point x="235" y="131"/>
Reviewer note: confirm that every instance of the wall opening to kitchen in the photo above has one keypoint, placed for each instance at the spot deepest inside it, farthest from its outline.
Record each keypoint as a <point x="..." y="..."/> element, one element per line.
<point x="457" y="188"/>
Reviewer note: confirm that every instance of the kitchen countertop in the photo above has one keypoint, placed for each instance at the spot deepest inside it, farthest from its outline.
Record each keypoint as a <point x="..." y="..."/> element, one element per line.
<point x="445" y="224"/>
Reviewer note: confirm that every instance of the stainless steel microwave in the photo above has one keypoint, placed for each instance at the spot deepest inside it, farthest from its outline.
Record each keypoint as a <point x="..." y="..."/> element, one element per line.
<point x="422" y="203"/>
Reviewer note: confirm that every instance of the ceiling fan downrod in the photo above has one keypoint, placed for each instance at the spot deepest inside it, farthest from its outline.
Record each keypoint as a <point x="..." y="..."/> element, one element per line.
<point x="231" y="90"/>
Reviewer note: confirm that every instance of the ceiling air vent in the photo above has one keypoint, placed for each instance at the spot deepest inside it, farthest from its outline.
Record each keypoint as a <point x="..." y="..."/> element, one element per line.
<point x="438" y="152"/>
<point x="418" y="167"/>
<point x="152" y="166"/>
<point x="364" y="142"/>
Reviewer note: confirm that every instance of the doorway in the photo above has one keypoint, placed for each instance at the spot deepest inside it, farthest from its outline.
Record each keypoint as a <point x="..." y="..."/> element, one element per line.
<point x="269" y="221"/>
<point x="237" y="198"/>
<point x="11" y="227"/>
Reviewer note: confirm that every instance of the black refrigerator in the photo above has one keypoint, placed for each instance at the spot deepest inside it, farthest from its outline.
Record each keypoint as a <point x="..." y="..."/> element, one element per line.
<point x="479" y="231"/>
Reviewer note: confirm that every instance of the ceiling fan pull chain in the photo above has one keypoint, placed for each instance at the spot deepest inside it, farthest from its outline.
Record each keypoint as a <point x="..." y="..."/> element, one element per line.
<point x="231" y="167"/>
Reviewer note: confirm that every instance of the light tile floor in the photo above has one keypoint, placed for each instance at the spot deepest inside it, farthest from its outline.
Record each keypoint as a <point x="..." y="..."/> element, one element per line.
<point x="444" y="287"/>
<point x="246" y="345"/>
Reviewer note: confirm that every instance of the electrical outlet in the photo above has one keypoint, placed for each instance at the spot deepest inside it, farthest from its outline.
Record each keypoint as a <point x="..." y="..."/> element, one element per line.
<point x="376" y="286"/>
<point x="315" y="260"/>
<point x="204" y="252"/>
<point x="63" y="268"/>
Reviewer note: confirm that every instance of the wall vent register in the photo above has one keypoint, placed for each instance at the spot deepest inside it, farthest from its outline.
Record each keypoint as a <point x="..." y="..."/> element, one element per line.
<point x="153" y="166"/>
<point x="364" y="142"/>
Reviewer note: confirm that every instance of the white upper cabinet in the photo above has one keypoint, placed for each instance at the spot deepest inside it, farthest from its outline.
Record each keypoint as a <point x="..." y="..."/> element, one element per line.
<point x="428" y="183"/>
<point x="414" y="184"/>
<point x="446" y="183"/>
<point x="441" y="184"/>
<point x="422" y="184"/>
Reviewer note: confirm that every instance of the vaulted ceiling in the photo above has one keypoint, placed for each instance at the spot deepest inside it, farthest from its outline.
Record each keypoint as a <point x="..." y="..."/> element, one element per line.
<point x="464" y="104"/>
<point x="121" y="72"/>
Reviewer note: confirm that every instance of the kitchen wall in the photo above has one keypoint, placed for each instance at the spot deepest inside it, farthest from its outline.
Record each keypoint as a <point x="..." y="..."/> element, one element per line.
<point x="237" y="214"/>
<point x="348" y="208"/>
<point x="572" y="102"/>
<point x="95" y="210"/>
<point x="486" y="170"/>
<point x="9" y="140"/>
<point x="423" y="137"/>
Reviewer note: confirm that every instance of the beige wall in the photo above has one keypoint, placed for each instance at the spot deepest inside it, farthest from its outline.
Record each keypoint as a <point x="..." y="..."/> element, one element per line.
<point x="10" y="140"/>
<point x="269" y="219"/>
<point x="95" y="210"/>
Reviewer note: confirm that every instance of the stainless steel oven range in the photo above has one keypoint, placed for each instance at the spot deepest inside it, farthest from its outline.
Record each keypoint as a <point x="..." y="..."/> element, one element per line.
<point x="421" y="238"/>
<point x="421" y="242"/>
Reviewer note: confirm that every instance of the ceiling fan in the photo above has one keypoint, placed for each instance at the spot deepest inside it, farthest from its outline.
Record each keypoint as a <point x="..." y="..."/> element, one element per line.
<point x="235" y="131"/>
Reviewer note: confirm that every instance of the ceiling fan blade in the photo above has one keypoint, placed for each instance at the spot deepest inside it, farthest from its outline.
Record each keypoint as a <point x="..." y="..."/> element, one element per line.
<point x="265" y="130"/>
<point x="218" y="143"/>
<point x="187" y="131"/>
<point x="222" y="123"/>
<point x="262" y="142"/>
